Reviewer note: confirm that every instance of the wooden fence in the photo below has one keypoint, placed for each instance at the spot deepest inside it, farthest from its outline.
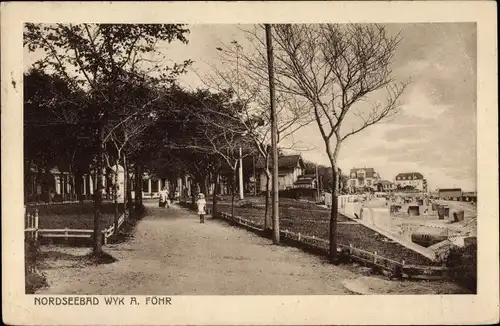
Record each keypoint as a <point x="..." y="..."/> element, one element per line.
<point x="31" y="223"/>
<point x="373" y="259"/>
<point x="32" y="230"/>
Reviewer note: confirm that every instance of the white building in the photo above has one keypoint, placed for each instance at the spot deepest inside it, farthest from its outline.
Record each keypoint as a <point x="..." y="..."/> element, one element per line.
<point x="362" y="178"/>
<point x="411" y="179"/>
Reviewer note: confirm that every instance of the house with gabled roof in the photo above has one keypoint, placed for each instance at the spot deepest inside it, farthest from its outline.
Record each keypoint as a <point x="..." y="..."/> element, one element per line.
<point x="411" y="179"/>
<point x="290" y="167"/>
<point x="363" y="178"/>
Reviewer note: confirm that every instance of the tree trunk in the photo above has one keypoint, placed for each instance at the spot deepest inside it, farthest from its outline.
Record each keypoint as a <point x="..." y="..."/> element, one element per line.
<point x="79" y="185"/>
<point x="138" y="186"/>
<point x="128" y="186"/>
<point x="214" y="198"/>
<point x="206" y="185"/>
<point x="201" y="180"/>
<point x="71" y="181"/>
<point x="115" y="195"/>
<point x="267" y="224"/>
<point x="333" y="218"/>
<point x="193" y="193"/>
<point x="97" y="249"/>
<point x="39" y="181"/>
<point x="232" y="192"/>
<point x="125" y="186"/>
<point x="27" y="181"/>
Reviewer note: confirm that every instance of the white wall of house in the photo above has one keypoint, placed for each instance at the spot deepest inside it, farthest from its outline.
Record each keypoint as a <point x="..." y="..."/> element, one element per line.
<point x="367" y="182"/>
<point x="286" y="179"/>
<point x="262" y="181"/>
<point x="417" y="184"/>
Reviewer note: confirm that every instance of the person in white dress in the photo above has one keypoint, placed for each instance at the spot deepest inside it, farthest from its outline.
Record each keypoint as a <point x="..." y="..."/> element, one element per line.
<point x="201" y="205"/>
<point x="164" y="197"/>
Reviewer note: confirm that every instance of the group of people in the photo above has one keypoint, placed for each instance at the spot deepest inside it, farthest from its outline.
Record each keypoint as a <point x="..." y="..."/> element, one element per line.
<point x="201" y="203"/>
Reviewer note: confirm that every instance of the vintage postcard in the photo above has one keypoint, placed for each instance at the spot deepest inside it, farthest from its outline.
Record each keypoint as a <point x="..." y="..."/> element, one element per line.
<point x="249" y="163"/>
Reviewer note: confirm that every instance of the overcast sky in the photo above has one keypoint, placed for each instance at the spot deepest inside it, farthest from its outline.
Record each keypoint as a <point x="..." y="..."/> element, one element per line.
<point x="434" y="134"/>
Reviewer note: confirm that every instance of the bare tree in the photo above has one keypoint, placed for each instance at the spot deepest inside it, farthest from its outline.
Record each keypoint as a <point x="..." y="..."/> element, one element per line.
<point x="209" y="127"/>
<point x="228" y="142"/>
<point x="337" y="69"/>
<point x="250" y="87"/>
<point x="135" y="114"/>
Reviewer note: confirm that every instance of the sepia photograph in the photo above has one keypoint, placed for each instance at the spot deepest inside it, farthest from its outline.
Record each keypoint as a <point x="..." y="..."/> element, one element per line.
<point x="248" y="159"/>
<point x="131" y="131"/>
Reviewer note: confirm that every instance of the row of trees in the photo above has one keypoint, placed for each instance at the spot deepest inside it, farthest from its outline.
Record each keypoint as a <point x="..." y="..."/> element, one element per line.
<point x="101" y="94"/>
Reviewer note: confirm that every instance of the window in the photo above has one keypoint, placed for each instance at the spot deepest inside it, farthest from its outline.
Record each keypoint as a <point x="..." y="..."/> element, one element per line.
<point x="154" y="186"/>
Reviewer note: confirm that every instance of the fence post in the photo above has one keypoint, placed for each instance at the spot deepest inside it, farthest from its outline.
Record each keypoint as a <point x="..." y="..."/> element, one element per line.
<point x="36" y="223"/>
<point x="299" y="236"/>
<point x="65" y="233"/>
<point x="375" y="257"/>
<point x="350" y="248"/>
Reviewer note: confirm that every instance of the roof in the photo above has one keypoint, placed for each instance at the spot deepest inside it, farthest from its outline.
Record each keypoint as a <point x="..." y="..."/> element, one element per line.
<point x="385" y="182"/>
<point x="370" y="172"/>
<point x="450" y="189"/>
<point x="305" y="179"/>
<point x="284" y="162"/>
<point x="410" y="176"/>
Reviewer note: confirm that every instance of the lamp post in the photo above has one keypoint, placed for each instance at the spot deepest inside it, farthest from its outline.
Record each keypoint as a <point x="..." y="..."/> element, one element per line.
<point x="240" y="168"/>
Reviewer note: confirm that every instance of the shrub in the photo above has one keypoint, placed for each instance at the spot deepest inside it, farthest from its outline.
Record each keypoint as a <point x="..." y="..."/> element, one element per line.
<point x="33" y="278"/>
<point x="247" y="204"/>
<point x="463" y="265"/>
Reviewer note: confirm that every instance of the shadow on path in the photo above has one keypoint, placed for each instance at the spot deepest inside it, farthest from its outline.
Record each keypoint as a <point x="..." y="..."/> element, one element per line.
<point x="171" y="253"/>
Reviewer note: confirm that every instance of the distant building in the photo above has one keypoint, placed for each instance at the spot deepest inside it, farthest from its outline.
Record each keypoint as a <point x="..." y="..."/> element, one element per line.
<point x="450" y="194"/>
<point x="470" y="196"/>
<point x="290" y="167"/>
<point x="306" y="181"/>
<point x="49" y="185"/>
<point x="384" y="185"/>
<point x="411" y="179"/>
<point x="363" y="178"/>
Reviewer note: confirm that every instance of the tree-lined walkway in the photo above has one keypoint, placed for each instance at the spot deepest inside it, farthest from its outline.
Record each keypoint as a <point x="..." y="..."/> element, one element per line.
<point x="172" y="253"/>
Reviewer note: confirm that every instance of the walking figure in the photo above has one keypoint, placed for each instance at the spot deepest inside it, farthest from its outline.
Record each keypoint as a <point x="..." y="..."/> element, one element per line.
<point x="201" y="204"/>
<point x="164" y="197"/>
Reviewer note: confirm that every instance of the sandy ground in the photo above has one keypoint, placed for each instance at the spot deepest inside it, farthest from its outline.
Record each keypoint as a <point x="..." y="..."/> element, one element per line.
<point x="172" y="253"/>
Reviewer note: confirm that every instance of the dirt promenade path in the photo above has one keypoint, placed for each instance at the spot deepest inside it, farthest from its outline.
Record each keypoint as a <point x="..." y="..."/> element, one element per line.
<point x="172" y="253"/>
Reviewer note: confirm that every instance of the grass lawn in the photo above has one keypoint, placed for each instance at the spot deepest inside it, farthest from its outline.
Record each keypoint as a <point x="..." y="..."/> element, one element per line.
<point x="312" y="220"/>
<point x="74" y="216"/>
